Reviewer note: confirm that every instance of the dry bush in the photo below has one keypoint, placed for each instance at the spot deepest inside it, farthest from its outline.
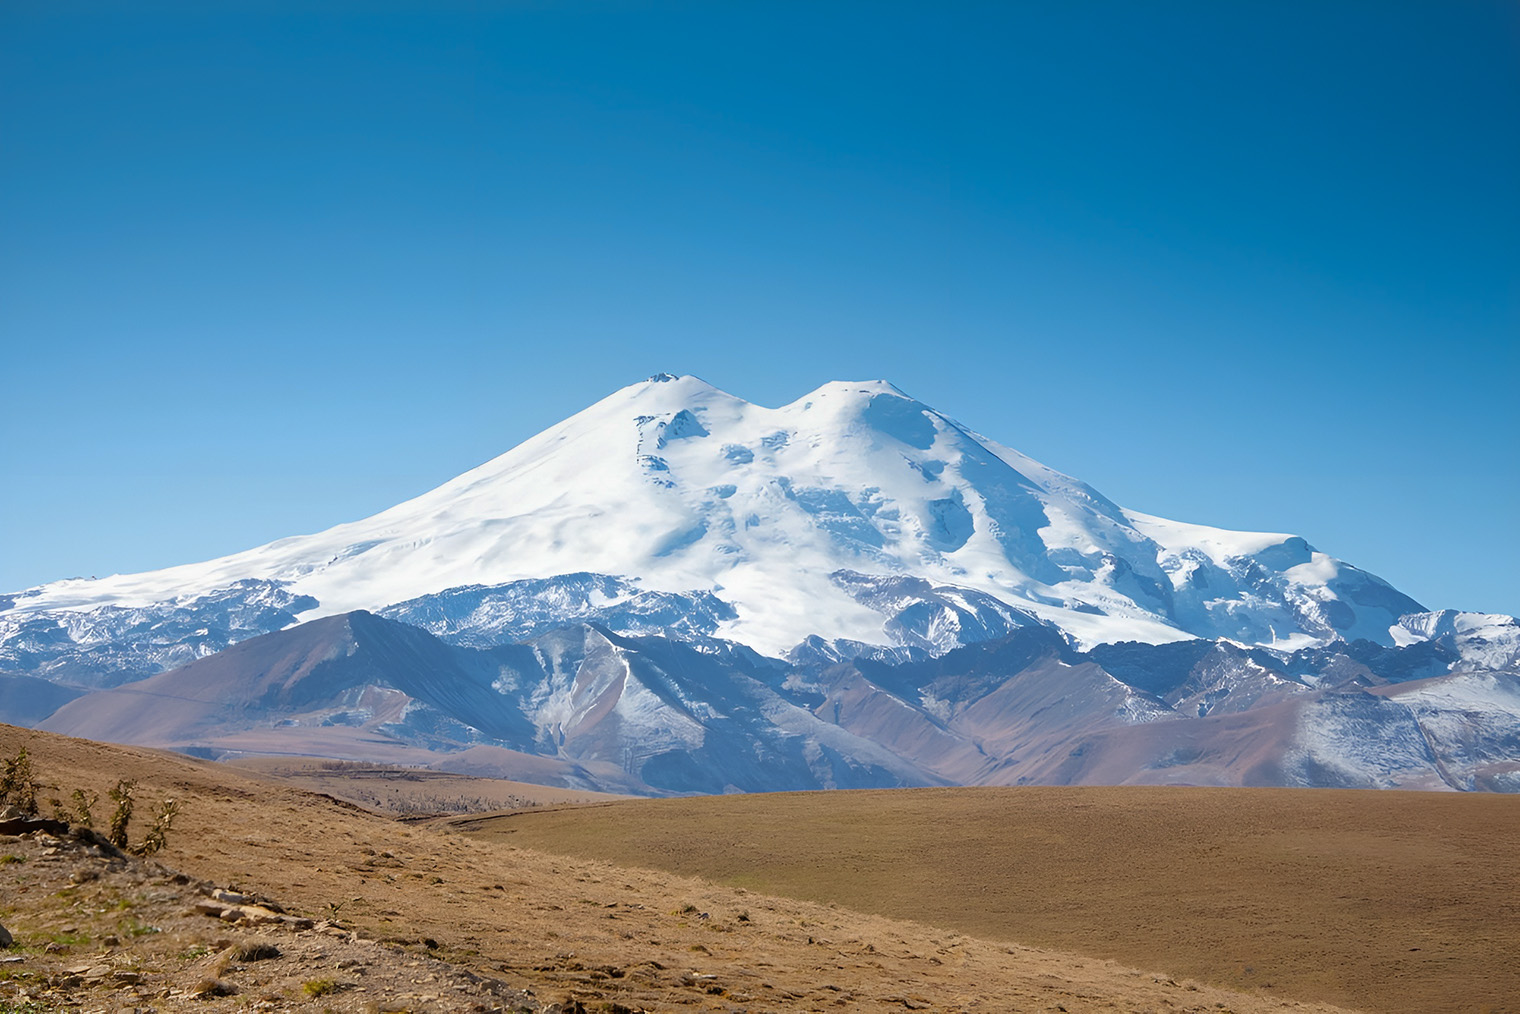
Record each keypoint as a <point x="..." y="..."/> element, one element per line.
<point x="18" y="785"/>
<point x="158" y="834"/>
<point x="82" y="806"/>
<point x="121" y="795"/>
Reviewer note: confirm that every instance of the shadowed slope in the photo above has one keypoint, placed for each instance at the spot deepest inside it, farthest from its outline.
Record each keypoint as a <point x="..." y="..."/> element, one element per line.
<point x="328" y="663"/>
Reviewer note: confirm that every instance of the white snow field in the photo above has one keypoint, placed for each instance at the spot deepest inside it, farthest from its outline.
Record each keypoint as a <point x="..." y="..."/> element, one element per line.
<point x="681" y="487"/>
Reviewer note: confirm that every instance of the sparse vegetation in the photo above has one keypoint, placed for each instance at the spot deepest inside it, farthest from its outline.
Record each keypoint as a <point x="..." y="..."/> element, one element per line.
<point x="82" y="806"/>
<point x="158" y="833"/>
<point x="319" y="987"/>
<point x="121" y="795"/>
<point x="18" y="785"/>
<point x="69" y="939"/>
<point x="23" y="1007"/>
<point x="132" y="928"/>
<point x="19" y="788"/>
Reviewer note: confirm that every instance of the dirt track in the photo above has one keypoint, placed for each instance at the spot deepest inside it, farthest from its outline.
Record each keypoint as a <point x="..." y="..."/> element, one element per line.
<point x="1399" y="902"/>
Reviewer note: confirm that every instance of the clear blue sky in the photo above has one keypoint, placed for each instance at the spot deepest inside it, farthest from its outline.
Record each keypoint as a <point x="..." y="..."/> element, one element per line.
<point x="1254" y="265"/>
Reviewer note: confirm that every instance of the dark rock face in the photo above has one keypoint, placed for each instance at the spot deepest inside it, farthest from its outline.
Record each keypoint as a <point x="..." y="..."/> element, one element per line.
<point x="482" y="616"/>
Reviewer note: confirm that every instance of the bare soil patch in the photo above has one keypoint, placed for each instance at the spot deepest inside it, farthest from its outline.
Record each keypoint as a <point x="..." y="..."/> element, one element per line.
<point x="571" y="934"/>
<point x="1392" y="901"/>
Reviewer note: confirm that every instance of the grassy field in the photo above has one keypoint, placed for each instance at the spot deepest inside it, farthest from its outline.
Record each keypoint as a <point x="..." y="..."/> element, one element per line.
<point x="1389" y="901"/>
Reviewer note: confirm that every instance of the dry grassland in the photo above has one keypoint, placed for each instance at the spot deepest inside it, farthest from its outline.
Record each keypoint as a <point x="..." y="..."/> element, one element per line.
<point x="580" y="931"/>
<point x="1392" y="901"/>
<point x="408" y="791"/>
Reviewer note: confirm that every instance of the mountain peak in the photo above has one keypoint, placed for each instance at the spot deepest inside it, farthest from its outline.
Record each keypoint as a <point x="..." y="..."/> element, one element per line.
<point x="682" y="487"/>
<point x="868" y="388"/>
<point x="663" y="392"/>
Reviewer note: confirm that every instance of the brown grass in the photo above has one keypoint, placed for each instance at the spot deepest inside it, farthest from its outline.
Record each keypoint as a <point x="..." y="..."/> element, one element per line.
<point x="1394" y="901"/>
<point x="610" y="934"/>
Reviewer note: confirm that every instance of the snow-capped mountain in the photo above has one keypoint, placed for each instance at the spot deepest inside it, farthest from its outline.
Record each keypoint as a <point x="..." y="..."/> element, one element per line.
<point x="854" y="513"/>
<point x="678" y="591"/>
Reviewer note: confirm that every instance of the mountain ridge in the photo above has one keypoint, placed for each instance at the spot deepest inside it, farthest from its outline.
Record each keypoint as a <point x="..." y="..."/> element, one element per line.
<point x="585" y="707"/>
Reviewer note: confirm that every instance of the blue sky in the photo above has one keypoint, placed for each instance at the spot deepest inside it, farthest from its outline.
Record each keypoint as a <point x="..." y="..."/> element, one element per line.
<point x="264" y="270"/>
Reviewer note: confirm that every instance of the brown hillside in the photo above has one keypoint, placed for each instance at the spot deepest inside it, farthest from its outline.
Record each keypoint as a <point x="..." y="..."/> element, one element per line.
<point x="609" y="937"/>
<point x="1393" y="901"/>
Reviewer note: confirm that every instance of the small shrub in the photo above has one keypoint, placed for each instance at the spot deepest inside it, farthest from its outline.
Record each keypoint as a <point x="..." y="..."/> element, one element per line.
<point x="134" y="928"/>
<point x="82" y="806"/>
<point x="319" y="987"/>
<point x="9" y="1006"/>
<point x="18" y="786"/>
<point x="158" y="834"/>
<point x="121" y="795"/>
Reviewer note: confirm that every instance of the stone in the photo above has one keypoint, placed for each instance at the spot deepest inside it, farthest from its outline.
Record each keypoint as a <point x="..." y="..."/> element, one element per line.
<point x="213" y="987"/>
<point x="5" y="938"/>
<point x="17" y="826"/>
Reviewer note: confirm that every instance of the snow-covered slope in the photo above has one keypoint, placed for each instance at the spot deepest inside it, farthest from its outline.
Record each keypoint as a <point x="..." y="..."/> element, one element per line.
<point x="1482" y="640"/>
<point x="791" y="522"/>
